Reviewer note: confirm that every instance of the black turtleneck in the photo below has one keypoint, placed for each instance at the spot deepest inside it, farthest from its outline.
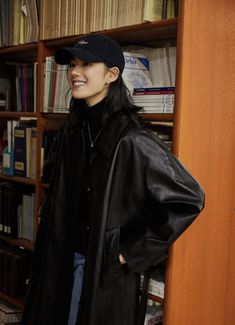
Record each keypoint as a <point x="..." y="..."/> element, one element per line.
<point x="92" y="128"/>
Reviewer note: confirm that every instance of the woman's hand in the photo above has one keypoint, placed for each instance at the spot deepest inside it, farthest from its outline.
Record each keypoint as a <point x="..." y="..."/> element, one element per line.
<point x="121" y="259"/>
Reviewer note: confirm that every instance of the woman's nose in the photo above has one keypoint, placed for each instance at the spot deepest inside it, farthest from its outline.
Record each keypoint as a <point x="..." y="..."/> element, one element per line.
<point x="76" y="70"/>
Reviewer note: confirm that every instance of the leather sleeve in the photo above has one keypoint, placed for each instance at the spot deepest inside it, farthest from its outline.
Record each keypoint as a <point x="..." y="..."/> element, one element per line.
<point x="175" y="199"/>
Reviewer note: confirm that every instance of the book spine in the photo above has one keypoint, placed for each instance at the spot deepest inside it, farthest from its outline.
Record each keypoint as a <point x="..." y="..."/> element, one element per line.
<point x="20" y="152"/>
<point x="153" y="90"/>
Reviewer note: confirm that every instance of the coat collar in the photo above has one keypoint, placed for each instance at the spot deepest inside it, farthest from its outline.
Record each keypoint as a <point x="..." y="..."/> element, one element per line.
<point x="112" y="131"/>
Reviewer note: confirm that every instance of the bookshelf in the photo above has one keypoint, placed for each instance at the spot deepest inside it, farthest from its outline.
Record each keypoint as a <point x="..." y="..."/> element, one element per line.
<point x="200" y="284"/>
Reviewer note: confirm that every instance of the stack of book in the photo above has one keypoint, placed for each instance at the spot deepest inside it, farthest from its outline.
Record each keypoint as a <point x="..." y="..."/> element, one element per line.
<point x="164" y="130"/>
<point x="17" y="206"/>
<point x="26" y="86"/>
<point x="9" y="314"/>
<point x="14" y="270"/>
<point x="154" y="314"/>
<point x="154" y="100"/>
<point x="5" y="93"/>
<point x="156" y="287"/>
<point x="56" y="87"/>
<point x="19" y="156"/>
<point x="22" y="97"/>
<point x="19" y="22"/>
<point x="81" y="17"/>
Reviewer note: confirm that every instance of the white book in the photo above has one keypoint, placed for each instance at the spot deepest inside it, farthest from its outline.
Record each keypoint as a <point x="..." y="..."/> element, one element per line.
<point x="62" y="96"/>
<point x="47" y="82"/>
<point x="136" y="73"/>
<point x="162" y="63"/>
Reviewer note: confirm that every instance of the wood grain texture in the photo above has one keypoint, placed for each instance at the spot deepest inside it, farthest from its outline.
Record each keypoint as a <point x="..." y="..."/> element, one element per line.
<point x="200" y="278"/>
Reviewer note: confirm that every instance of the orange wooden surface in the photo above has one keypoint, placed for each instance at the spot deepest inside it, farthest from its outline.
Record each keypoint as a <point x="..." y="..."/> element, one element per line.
<point x="201" y="274"/>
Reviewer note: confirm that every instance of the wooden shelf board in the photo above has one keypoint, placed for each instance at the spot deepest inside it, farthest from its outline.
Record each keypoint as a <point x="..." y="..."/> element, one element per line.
<point x="19" y="48"/>
<point x="19" y="302"/>
<point x="20" y="53"/>
<point x="156" y="298"/>
<point x="27" y="244"/>
<point x="16" y="115"/>
<point x="158" y="117"/>
<point x="54" y="115"/>
<point x="147" y="31"/>
<point x="24" y="180"/>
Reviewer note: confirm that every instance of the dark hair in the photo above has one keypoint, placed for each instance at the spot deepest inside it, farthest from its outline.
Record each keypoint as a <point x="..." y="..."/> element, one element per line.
<point x="119" y="98"/>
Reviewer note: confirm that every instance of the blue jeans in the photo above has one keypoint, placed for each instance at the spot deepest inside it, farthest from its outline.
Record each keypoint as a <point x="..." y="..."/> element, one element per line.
<point x="79" y="261"/>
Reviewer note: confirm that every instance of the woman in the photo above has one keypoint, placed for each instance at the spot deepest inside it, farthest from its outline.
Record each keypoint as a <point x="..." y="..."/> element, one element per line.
<point x="117" y="200"/>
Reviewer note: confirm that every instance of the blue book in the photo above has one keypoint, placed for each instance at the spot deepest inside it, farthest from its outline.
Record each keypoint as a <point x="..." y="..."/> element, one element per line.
<point x="22" y="138"/>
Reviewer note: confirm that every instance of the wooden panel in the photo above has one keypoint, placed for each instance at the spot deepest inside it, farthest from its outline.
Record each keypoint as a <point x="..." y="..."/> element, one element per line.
<point x="201" y="273"/>
<point x="140" y="33"/>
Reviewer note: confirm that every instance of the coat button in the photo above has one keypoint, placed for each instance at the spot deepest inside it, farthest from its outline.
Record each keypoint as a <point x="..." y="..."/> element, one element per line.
<point x="89" y="189"/>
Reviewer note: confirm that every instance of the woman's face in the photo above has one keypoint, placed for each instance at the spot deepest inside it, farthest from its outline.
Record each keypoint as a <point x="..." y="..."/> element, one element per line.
<point x="89" y="81"/>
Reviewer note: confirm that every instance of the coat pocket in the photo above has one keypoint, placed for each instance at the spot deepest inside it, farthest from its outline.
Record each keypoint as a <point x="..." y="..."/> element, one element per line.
<point x="111" y="246"/>
<point x="113" y="271"/>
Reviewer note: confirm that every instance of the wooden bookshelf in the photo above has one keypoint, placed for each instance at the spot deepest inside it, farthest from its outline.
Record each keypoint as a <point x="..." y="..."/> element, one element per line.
<point x="200" y="282"/>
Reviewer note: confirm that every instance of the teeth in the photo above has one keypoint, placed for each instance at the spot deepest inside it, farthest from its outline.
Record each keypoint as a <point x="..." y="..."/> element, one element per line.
<point x="78" y="83"/>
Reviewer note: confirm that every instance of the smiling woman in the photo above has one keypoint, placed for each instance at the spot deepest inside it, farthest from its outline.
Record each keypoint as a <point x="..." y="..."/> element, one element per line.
<point x="96" y="236"/>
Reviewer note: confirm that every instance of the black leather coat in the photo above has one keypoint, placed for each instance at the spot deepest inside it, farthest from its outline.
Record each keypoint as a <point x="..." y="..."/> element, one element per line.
<point x="141" y="200"/>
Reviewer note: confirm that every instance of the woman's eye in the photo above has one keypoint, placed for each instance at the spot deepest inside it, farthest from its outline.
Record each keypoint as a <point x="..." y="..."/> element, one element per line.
<point x="71" y="65"/>
<point x="87" y="64"/>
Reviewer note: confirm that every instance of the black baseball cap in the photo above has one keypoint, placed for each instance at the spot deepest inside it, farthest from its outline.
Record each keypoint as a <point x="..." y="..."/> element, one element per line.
<point x="93" y="48"/>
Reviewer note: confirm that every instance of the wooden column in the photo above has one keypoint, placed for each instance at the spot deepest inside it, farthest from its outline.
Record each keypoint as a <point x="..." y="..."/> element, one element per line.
<point x="201" y="270"/>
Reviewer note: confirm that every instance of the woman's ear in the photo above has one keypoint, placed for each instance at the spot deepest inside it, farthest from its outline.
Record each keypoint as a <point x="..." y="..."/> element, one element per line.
<point x="113" y="74"/>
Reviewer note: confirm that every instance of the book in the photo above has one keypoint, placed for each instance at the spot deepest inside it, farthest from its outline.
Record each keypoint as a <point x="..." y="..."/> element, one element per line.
<point x="15" y="268"/>
<point x="9" y="313"/>
<point x="19" y="22"/>
<point x="136" y="72"/>
<point x="9" y="209"/>
<point x="2" y="221"/>
<point x="5" y="93"/>
<point x="153" y="91"/>
<point x="56" y="87"/>
<point x="27" y="217"/>
<point x="154" y="315"/>
<point x="10" y="198"/>
<point x="153" y="10"/>
<point x="22" y="138"/>
<point x="162" y="63"/>
<point x="159" y="9"/>
<point x="8" y="152"/>
<point x="154" y="100"/>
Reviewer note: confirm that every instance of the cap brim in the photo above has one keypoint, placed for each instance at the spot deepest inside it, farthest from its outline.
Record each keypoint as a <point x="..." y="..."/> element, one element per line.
<point x="65" y="55"/>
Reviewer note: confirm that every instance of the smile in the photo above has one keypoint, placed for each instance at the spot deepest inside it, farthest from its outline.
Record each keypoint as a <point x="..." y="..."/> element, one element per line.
<point x="78" y="83"/>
